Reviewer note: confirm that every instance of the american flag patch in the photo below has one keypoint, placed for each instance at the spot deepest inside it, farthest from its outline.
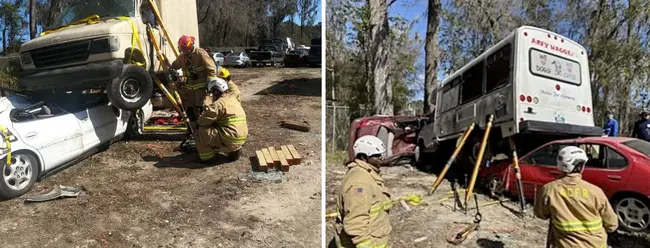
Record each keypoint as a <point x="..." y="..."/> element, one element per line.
<point x="359" y="190"/>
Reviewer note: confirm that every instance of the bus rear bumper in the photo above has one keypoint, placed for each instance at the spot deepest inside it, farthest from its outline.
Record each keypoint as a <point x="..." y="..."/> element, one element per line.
<point x="558" y="128"/>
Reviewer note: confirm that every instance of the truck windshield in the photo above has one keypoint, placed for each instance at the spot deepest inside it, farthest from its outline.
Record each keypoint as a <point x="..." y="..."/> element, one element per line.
<point x="104" y="8"/>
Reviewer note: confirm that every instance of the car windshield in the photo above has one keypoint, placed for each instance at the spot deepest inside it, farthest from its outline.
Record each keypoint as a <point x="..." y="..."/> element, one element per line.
<point x="78" y="10"/>
<point x="231" y="55"/>
<point x="639" y="145"/>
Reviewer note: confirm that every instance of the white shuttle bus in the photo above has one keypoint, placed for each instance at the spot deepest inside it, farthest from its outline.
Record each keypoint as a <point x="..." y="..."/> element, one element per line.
<point x="535" y="83"/>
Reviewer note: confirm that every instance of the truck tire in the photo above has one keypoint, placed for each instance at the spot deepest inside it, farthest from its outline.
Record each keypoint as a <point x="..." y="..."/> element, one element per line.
<point x="132" y="89"/>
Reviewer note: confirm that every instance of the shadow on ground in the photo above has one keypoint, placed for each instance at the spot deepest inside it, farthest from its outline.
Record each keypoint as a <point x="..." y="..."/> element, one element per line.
<point x="299" y="87"/>
<point x="627" y="240"/>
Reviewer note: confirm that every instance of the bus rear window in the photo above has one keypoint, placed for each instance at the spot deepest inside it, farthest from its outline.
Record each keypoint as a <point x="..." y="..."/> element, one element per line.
<point x="553" y="67"/>
<point x="639" y="145"/>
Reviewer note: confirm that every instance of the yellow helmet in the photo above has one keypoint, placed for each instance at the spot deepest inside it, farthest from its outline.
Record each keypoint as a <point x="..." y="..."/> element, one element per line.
<point x="223" y="73"/>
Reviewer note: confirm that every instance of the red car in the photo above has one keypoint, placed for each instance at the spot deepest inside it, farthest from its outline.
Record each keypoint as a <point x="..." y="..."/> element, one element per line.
<point x="398" y="133"/>
<point x="620" y="166"/>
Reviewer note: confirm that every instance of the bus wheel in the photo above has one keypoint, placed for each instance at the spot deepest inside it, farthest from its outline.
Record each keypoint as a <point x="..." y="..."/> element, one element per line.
<point x="472" y="148"/>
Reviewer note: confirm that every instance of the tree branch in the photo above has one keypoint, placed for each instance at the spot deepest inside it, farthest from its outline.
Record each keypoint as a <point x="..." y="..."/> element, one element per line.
<point x="207" y="12"/>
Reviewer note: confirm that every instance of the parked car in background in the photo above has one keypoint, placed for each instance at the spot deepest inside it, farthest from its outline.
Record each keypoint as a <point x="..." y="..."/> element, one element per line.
<point x="298" y="57"/>
<point x="50" y="133"/>
<point x="239" y="59"/>
<point x="619" y="166"/>
<point x="218" y="58"/>
<point x="397" y="132"/>
<point x="225" y="53"/>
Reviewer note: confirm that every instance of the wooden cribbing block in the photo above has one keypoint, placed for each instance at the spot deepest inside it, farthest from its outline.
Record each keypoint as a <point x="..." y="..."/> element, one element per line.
<point x="261" y="161"/>
<point x="283" y="161"/>
<point x="287" y="155"/>
<point x="294" y="153"/>
<point x="267" y="157"/>
<point x="303" y="127"/>
<point x="274" y="156"/>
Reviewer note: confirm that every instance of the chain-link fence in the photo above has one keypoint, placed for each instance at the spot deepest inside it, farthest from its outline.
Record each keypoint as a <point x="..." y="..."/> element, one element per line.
<point x="338" y="119"/>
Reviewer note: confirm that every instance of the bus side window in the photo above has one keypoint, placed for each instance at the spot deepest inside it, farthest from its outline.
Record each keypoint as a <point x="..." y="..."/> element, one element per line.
<point x="498" y="68"/>
<point x="449" y="95"/>
<point x="472" y="85"/>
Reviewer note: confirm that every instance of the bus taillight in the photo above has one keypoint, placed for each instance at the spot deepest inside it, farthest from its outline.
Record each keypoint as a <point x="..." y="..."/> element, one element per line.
<point x="529" y="99"/>
<point x="584" y="109"/>
<point x="521" y="119"/>
<point x="557" y="87"/>
<point x="588" y="110"/>
<point x="522" y="98"/>
<point x="535" y="100"/>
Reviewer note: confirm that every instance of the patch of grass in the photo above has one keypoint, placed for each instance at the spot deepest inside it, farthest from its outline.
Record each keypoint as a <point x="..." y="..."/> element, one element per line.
<point x="336" y="157"/>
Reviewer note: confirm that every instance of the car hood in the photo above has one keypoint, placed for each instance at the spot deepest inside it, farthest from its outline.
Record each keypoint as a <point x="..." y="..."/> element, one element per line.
<point x="79" y="32"/>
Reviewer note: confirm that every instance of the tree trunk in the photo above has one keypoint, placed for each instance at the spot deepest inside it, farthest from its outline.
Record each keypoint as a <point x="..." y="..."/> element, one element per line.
<point x="383" y="93"/>
<point x="431" y="51"/>
<point x="4" y="40"/>
<point x="32" y="19"/>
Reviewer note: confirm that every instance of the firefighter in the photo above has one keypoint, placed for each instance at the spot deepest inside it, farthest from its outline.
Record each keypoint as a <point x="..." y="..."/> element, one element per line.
<point x="363" y="200"/>
<point x="222" y="125"/>
<point x="198" y="70"/>
<point x="579" y="212"/>
<point x="224" y="74"/>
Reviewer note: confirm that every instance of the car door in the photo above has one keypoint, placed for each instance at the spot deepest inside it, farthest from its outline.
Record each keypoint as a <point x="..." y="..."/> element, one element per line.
<point x="98" y="124"/>
<point x="607" y="169"/>
<point x="539" y="168"/>
<point x="57" y="138"/>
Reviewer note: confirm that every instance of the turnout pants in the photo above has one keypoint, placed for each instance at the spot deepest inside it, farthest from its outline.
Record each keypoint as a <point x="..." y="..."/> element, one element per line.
<point x="208" y="142"/>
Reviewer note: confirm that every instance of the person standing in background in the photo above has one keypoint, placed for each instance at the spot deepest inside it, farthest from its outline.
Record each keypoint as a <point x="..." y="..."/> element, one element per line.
<point x="611" y="126"/>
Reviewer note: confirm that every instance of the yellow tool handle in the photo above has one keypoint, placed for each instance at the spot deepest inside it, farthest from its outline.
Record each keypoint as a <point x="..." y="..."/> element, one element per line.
<point x="156" y="13"/>
<point x="479" y="159"/>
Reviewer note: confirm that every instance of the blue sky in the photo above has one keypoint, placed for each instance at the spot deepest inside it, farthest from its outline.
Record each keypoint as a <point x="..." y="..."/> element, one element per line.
<point x="414" y="10"/>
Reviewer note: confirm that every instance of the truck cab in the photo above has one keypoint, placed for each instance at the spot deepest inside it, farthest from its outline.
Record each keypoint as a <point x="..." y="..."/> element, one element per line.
<point x="103" y="44"/>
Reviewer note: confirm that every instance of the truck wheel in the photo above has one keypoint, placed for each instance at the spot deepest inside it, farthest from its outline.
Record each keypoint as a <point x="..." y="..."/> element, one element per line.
<point x="19" y="177"/>
<point x="471" y="149"/>
<point x="131" y="90"/>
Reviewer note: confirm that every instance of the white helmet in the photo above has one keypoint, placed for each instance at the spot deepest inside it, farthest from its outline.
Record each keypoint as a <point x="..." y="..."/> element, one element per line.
<point x="368" y="145"/>
<point x="569" y="157"/>
<point x="217" y="84"/>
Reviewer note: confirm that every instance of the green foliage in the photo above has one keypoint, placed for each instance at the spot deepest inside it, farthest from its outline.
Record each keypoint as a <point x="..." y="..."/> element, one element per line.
<point x="348" y="55"/>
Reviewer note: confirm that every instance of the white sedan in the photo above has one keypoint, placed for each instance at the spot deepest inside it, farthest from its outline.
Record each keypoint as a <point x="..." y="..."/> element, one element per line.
<point x="47" y="135"/>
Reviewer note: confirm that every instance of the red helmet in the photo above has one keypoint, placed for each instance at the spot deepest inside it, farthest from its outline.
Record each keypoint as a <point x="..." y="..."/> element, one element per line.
<point x="186" y="43"/>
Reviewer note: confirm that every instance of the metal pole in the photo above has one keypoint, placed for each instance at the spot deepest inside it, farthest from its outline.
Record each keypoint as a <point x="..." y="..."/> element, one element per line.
<point x="479" y="159"/>
<point x="520" y="187"/>
<point x="334" y="137"/>
<point x="451" y="159"/>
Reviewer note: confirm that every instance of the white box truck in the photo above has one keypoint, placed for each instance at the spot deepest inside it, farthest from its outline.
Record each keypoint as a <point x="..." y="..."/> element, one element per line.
<point x="103" y="44"/>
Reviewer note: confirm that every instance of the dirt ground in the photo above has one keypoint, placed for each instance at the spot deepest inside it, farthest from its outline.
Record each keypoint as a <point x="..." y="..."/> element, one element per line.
<point x="134" y="199"/>
<point x="426" y="225"/>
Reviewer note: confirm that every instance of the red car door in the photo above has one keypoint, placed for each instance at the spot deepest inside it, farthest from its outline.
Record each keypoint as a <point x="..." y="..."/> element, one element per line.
<point x="607" y="168"/>
<point x="538" y="168"/>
